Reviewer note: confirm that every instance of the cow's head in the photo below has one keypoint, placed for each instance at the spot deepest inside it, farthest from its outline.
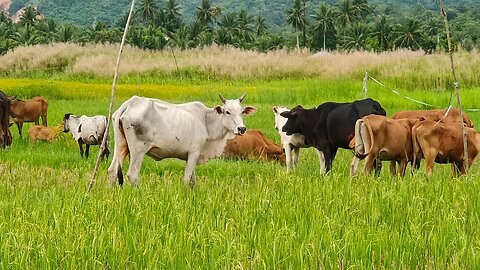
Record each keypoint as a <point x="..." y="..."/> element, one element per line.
<point x="65" y="121"/>
<point x="293" y="124"/>
<point x="369" y="106"/>
<point x="232" y="114"/>
<point x="279" y="120"/>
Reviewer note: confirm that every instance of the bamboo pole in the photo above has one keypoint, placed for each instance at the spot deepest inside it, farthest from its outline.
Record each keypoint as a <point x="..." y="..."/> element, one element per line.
<point x="455" y="83"/>
<point x="112" y="97"/>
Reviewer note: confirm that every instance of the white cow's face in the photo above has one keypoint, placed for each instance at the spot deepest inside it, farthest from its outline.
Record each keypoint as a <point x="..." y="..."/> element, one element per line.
<point x="232" y="115"/>
<point x="279" y="120"/>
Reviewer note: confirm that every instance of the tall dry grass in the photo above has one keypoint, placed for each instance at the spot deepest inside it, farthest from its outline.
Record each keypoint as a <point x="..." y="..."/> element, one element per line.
<point x="217" y="62"/>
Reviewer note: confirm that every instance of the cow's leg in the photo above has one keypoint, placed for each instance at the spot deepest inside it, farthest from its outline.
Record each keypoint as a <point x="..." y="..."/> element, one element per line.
<point x="120" y="152"/>
<point x="80" y="145"/>
<point x="296" y="155"/>
<point x="44" y="119"/>
<point x="393" y="168"/>
<point x="369" y="160"/>
<point x="19" y="126"/>
<point x="288" y="157"/>
<point x="321" y="159"/>
<point x="190" y="168"/>
<point x="37" y="121"/>
<point x="354" y="165"/>
<point x="87" y="150"/>
<point x="136" y="160"/>
<point x="377" y="165"/>
<point x="402" y="166"/>
<point x="429" y="163"/>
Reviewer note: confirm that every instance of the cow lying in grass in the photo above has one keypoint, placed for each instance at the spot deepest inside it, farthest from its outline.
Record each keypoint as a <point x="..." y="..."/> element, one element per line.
<point x="377" y="136"/>
<point x="42" y="133"/>
<point x="443" y="143"/>
<point x="253" y="144"/>
<point x="290" y="143"/>
<point x="86" y="130"/>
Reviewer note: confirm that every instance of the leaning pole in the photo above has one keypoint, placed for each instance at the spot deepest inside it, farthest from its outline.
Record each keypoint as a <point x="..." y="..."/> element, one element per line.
<point x="112" y="97"/>
<point x="455" y="83"/>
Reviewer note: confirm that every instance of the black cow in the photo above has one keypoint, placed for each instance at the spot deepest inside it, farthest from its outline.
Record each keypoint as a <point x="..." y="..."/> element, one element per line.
<point x="5" y="135"/>
<point x="329" y="126"/>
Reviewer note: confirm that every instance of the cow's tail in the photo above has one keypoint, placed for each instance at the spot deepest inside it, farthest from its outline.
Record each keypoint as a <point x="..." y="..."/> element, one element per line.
<point x="363" y="138"/>
<point x="121" y="149"/>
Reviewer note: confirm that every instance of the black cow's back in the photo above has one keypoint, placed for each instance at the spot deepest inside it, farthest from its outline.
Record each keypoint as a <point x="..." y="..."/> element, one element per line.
<point x="5" y="119"/>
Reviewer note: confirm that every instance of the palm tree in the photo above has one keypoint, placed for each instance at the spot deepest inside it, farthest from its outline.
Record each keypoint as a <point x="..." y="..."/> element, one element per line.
<point x="347" y="13"/>
<point x="206" y="12"/>
<point x="355" y="37"/>
<point x="148" y="10"/>
<point x="25" y="36"/>
<point x="433" y="28"/>
<point x="260" y="26"/>
<point x="172" y="15"/>
<point x="324" y="19"/>
<point x="409" y="34"/>
<point x="382" y="31"/>
<point x="47" y="30"/>
<point x="228" y="30"/>
<point x="29" y="16"/>
<point x="296" y="17"/>
<point x="65" y="33"/>
<point x="245" y="27"/>
<point x="361" y="8"/>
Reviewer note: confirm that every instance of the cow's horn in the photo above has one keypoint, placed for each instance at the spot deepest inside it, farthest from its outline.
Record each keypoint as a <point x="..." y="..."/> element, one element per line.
<point x="242" y="97"/>
<point x="222" y="98"/>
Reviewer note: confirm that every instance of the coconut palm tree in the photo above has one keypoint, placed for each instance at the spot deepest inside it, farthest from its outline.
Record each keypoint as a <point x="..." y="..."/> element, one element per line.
<point x="206" y="12"/>
<point x="382" y="30"/>
<point x="324" y="18"/>
<point x="260" y="26"/>
<point x="347" y="13"/>
<point x="29" y="16"/>
<point x="296" y="17"/>
<point x="172" y="14"/>
<point x="355" y="37"/>
<point x="148" y="10"/>
<point x="65" y="33"/>
<point x="25" y="35"/>
<point x="409" y="34"/>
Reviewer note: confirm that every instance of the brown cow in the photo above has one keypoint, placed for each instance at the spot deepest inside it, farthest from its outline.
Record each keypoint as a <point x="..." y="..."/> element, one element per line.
<point x="5" y="135"/>
<point x="253" y="144"/>
<point x="435" y="115"/>
<point x="377" y="136"/>
<point x="28" y="111"/>
<point x="443" y="143"/>
<point x="43" y="133"/>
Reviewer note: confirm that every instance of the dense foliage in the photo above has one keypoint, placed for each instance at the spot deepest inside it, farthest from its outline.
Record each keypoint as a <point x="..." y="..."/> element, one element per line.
<point x="339" y="25"/>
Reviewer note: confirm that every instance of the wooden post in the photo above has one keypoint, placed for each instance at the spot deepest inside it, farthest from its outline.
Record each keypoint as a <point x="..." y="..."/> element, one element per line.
<point x="365" y="84"/>
<point x="455" y="83"/>
<point x="112" y="97"/>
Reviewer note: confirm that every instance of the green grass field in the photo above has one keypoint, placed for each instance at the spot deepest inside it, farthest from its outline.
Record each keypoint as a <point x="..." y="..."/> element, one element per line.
<point x="241" y="214"/>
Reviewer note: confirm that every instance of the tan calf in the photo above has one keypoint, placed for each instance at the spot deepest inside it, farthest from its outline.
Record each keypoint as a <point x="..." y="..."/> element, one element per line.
<point x="443" y="143"/>
<point x="253" y="144"/>
<point x="377" y="136"/>
<point x="43" y="133"/>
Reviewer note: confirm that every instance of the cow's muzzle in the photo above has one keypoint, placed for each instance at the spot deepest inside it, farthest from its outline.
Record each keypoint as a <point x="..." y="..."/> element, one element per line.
<point x="242" y="130"/>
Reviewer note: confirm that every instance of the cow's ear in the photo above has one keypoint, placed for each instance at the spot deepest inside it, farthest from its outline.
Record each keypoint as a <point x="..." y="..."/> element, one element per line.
<point x="275" y="109"/>
<point x="421" y="118"/>
<point x="286" y="114"/>
<point x="218" y="109"/>
<point x="249" y="110"/>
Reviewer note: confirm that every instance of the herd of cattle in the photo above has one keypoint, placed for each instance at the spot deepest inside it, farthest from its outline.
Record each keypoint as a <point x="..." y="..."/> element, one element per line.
<point x="195" y="133"/>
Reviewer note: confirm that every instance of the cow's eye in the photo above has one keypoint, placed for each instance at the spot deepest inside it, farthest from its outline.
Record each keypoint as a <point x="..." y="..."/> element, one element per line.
<point x="227" y="112"/>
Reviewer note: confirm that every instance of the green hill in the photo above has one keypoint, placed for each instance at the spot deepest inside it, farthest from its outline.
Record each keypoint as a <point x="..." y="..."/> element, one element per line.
<point x="85" y="12"/>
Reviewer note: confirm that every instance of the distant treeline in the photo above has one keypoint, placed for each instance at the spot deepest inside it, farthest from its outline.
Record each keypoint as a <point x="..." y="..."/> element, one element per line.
<point x="346" y="25"/>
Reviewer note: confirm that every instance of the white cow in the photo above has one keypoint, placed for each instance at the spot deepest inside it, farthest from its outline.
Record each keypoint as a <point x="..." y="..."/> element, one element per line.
<point x="190" y="131"/>
<point x="289" y="142"/>
<point x="86" y="130"/>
